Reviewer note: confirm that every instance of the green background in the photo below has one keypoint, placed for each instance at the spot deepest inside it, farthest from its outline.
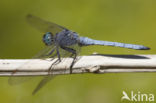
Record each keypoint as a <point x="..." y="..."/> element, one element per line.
<point x="129" y="21"/>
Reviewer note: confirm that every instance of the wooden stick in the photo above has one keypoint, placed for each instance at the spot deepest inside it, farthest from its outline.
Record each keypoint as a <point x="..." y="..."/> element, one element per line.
<point x="84" y="64"/>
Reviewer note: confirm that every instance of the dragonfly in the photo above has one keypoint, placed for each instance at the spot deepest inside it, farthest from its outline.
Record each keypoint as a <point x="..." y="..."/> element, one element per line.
<point x="62" y="42"/>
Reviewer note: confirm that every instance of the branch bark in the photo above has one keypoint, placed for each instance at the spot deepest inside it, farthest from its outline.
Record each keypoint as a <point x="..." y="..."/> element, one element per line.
<point x="94" y="64"/>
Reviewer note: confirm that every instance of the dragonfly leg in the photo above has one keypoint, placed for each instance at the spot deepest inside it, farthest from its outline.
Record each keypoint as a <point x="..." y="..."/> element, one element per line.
<point x="73" y="53"/>
<point x="57" y="61"/>
<point x="52" y="57"/>
<point x="54" y="63"/>
<point x="58" y="54"/>
<point x="51" y="52"/>
<point x="73" y="62"/>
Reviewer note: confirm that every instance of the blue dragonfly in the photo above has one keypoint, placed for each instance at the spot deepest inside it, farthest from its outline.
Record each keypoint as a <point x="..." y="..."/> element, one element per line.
<point x="62" y="42"/>
<point x="57" y="37"/>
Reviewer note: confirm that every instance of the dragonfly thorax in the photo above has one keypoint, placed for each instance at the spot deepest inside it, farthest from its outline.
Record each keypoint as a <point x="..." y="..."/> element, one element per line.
<point x="48" y="38"/>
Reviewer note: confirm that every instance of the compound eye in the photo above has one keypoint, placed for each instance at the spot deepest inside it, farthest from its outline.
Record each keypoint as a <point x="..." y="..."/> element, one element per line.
<point x="48" y="38"/>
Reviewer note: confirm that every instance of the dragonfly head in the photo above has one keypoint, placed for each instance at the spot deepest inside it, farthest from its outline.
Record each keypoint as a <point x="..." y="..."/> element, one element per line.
<point x="48" y="38"/>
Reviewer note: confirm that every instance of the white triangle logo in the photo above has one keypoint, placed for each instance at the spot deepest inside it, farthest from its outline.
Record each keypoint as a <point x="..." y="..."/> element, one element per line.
<point x="125" y="96"/>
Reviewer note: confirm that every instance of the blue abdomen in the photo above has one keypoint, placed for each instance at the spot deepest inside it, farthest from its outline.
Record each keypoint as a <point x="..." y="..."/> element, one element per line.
<point x="84" y="41"/>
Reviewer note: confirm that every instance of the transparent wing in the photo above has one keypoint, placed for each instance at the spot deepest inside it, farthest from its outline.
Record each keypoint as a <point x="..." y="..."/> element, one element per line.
<point x="63" y="53"/>
<point x="44" y="53"/>
<point x="42" y="25"/>
<point x="43" y="82"/>
<point x="18" y="80"/>
<point x="13" y="80"/>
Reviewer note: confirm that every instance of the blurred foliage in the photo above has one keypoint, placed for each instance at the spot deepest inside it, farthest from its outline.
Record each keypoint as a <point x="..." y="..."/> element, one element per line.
<point x="129" y="21"/>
